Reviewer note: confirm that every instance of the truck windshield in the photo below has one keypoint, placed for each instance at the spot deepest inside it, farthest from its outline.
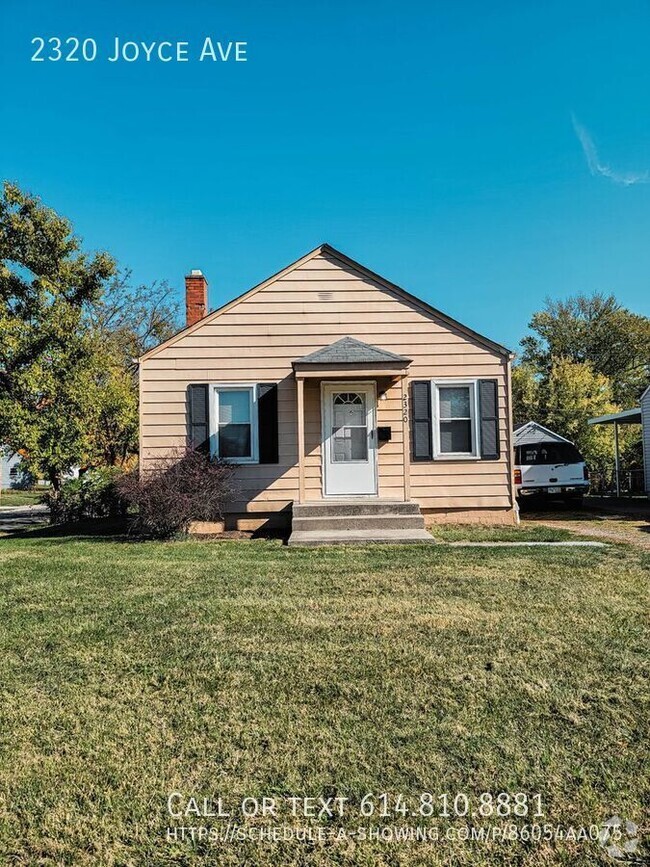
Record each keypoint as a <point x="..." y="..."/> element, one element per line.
<point x="547" y="453"/>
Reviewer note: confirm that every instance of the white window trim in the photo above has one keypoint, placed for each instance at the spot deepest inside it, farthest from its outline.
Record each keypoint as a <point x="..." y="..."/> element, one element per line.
<point x="435" y="420"/>
<point x="251" y="387"/>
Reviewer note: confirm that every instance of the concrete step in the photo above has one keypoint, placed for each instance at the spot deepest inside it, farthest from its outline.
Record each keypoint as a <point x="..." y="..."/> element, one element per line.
<point x="339" y="523"/>
<point x="315" y="538"/>
<point x="354" y="507"/>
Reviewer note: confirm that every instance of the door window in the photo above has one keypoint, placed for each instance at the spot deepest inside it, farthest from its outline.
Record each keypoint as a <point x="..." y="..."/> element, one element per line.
<point x="350" y="427"/>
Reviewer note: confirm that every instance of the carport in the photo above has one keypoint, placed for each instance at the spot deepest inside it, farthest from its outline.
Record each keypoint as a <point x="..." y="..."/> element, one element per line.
<point x="627" y="416"/>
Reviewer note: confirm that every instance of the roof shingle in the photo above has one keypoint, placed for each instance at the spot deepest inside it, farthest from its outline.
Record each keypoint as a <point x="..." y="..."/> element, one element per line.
<point x="349" y="350"/>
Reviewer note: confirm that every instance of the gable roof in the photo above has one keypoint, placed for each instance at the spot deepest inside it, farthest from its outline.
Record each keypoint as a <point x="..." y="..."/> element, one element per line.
<point x="532" y="432"/>
<point x="326" y="249"/>
<point x="349" y="350"/>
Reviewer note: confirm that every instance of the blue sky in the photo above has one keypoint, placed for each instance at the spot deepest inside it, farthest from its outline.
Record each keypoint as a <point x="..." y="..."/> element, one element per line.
<point x="482" y="156"/>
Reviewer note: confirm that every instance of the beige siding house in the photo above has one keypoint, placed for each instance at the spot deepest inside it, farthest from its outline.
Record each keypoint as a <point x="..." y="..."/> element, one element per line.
<point x="327" y="384"/>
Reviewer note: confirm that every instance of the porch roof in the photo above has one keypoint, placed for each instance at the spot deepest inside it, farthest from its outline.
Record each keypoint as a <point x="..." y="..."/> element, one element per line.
<point x="349" y="355"/>
<point x="627" y="416"/>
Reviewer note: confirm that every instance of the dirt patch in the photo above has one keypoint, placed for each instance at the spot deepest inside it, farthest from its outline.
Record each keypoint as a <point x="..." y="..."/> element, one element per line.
<point x="633" y="531"/>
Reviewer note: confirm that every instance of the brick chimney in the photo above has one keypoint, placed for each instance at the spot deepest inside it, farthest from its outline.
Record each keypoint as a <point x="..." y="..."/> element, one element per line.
<point x="196" y="297"/>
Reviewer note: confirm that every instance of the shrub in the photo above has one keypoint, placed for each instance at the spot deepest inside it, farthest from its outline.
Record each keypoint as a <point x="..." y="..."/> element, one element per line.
<point x="94" y="494"/>
<point x="186" y="486"/>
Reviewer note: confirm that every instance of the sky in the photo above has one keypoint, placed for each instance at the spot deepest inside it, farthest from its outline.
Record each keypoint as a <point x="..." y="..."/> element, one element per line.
<point x="482" y="156"/>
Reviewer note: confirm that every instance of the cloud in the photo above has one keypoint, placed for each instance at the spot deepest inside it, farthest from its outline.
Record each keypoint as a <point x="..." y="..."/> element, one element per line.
<point x="598" y="168"/>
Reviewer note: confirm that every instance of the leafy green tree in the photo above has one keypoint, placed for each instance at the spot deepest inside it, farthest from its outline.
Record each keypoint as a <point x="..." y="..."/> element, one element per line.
<point x="574" y="393"/>
<point x="526" y="398"/>
<point x="109" y="406"/>
<point x="71" y="328"/>
<point x="46" y="282"/>
<point x="597" y="330"/>
<point x="586" y="356"/>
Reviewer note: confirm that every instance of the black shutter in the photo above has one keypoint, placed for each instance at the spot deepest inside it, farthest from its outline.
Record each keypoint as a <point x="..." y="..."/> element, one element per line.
<point x="198" y="415"/>
<point x="267" y="416"/>
<point x="421" y="433"/>
<point x="488" y="401"/>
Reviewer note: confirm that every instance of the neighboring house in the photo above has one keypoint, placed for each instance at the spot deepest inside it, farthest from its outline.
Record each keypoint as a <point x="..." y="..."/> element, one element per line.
<point x="341" y="398"/>
<point x="10" y="474"/>
<point x="13" y="477"/>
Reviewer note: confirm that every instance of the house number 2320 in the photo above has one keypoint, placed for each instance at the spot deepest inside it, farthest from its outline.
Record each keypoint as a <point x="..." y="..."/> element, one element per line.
<point x="71" y="49"/>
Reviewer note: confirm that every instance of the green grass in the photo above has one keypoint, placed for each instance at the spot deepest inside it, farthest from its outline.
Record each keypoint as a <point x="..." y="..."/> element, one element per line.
<point x="129" y="671"/>
<point x="11" y="497"/>
<point x="521" y="533"/>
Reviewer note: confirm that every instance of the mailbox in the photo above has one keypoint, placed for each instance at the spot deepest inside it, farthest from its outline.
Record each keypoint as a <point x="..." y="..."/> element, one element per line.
<point x="383" y="434"/>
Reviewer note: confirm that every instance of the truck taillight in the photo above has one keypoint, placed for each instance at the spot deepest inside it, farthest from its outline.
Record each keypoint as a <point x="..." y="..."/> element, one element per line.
<point x="585" y="473"/>
<point x="517" y="476"/>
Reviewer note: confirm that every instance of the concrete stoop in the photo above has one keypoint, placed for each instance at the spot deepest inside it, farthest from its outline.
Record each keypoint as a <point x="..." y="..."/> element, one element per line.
<point x="357" y="522"/>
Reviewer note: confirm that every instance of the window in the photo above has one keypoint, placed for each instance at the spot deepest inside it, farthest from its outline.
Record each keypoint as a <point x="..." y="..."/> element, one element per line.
<point x="455" y="428"/>
<point x="350" y="428"/>
<point x="235" y="423"/>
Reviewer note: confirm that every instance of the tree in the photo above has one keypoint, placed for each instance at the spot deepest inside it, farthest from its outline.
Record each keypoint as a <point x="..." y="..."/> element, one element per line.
<point x="564" y="401"/>
<point x="587" y="356"/>
<point x="598" y="330"/>
<point x="134" y="318"/>
<point x="45" y="284"/>
<point x="574" y="393"/>
<point x="526" y="399"/>
<point x="123" y="324"/>
<point x="109" y="406"/>
<point x="71" y="328"/>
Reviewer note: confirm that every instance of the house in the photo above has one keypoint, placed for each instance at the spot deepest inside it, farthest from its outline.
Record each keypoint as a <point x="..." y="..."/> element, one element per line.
<point x="344" y="401"/>
<point x="11" y="474"/>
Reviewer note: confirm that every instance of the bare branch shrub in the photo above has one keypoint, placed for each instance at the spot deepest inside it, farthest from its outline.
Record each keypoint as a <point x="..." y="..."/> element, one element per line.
<point x="185" y="486"/>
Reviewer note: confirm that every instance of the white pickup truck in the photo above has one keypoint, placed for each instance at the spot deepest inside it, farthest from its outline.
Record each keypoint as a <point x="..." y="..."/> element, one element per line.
<point x="548" y="466"/>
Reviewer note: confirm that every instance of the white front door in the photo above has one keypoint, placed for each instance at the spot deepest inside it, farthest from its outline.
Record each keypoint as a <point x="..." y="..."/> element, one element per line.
<point x="349" y="438"/>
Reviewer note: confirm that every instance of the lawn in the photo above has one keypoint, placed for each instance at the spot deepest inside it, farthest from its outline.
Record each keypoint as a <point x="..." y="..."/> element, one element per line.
<point x="527" y="531"/>
<point x="246" y="669"/>
<point x="12" y="497"/>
